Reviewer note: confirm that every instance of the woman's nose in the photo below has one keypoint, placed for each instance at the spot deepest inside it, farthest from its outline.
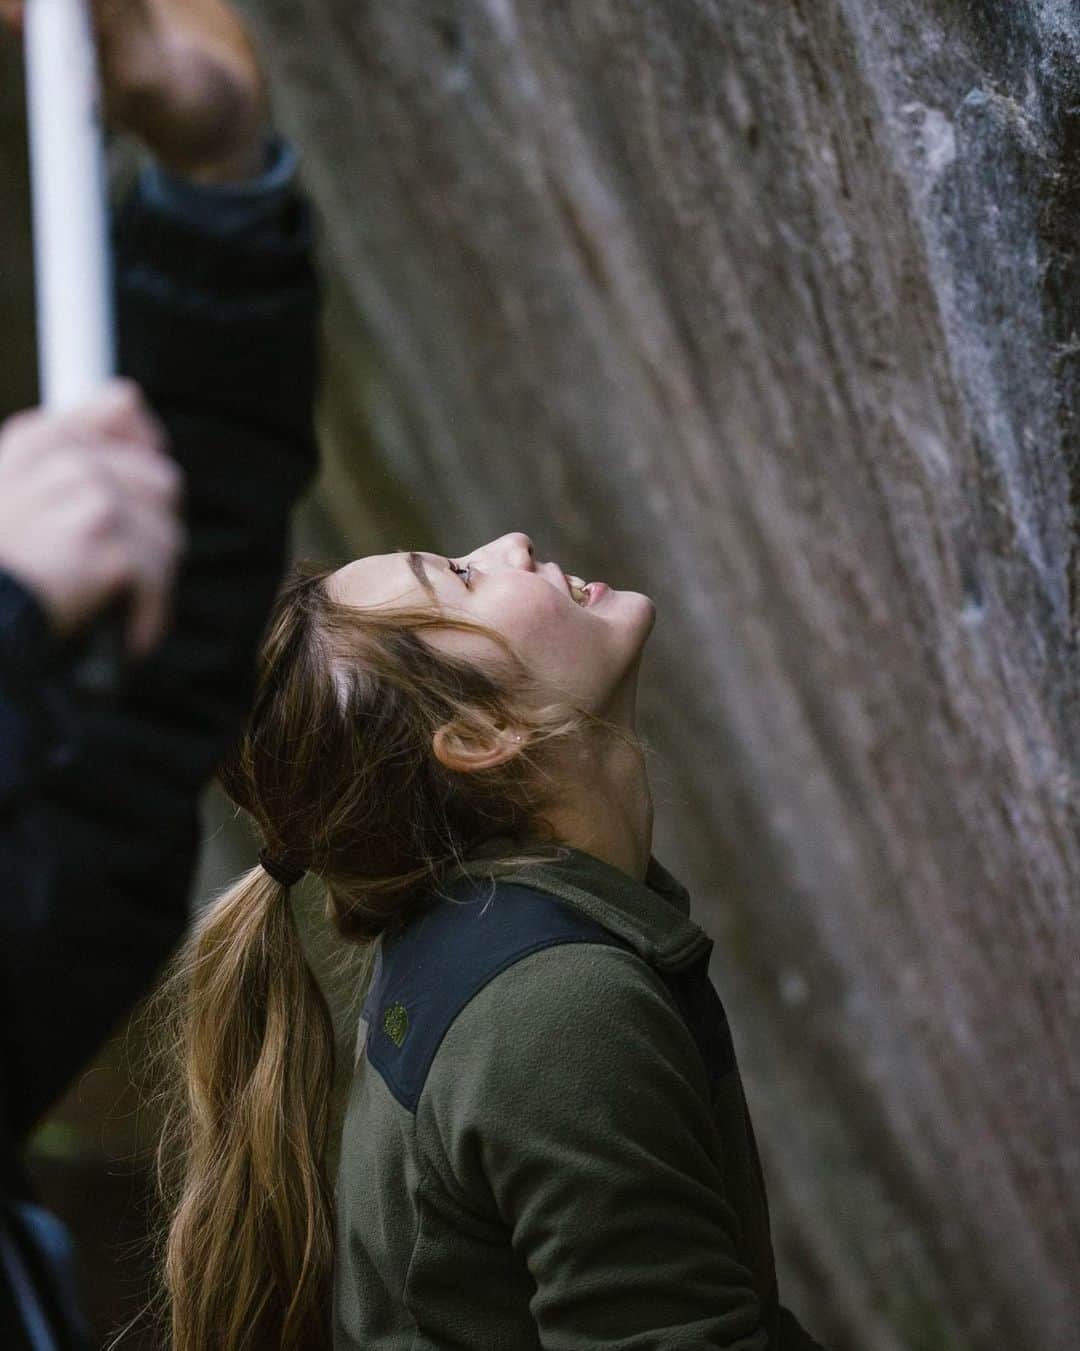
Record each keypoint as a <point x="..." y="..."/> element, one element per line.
<point x="514" y="550"/>
<point x="520" y="549"/>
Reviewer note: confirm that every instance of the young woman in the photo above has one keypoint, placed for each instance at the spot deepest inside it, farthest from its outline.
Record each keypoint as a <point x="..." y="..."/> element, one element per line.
<point x="546" y="1142"/>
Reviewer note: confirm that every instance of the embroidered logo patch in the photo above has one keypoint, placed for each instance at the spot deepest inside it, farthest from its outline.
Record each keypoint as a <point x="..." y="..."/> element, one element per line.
<point x="396" y="1023"/>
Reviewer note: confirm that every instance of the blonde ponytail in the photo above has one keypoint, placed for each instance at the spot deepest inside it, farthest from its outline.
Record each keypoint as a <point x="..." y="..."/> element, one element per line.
<point x="247" y="1261"/>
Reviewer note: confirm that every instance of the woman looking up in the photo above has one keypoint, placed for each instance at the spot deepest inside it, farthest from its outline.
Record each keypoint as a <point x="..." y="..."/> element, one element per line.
<point x="546" y="1142"/>
<point x="587" y="655"/>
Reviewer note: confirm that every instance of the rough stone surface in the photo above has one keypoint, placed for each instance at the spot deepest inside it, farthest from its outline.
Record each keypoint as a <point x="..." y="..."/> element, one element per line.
<point x="771" y="311"/>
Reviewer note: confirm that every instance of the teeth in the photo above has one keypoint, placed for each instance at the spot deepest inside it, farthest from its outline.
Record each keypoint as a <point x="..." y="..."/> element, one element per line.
<point x="577" y="588"/>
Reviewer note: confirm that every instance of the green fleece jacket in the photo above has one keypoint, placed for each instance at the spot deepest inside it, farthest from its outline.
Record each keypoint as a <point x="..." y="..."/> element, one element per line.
<point x="546" y="1142"/>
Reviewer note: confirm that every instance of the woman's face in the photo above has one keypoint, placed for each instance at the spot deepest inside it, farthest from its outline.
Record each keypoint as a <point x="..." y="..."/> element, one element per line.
<point x="589" y="653"/>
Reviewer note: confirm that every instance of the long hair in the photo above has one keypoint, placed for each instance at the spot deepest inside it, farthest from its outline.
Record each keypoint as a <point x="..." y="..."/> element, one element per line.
<point x="336" y="770"/>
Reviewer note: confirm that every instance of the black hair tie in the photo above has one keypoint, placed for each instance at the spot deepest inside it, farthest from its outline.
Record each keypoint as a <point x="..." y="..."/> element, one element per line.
<point x="283" y="870"/>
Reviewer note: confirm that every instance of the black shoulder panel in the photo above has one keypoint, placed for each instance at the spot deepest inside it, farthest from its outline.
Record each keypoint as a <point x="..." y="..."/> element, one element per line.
<point x="428" y="973"/>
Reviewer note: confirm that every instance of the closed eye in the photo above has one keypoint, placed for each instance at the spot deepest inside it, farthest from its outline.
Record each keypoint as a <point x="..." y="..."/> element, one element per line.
<point x="464" y="573"/>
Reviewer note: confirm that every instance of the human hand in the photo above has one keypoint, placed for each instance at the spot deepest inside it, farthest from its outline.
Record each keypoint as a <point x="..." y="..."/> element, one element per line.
<point x="89" y="510"/>
<point x="182" y="76"/>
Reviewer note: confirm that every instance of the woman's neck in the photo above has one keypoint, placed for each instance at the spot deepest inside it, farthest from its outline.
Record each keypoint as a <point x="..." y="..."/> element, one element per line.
<point x="606" y="808"/>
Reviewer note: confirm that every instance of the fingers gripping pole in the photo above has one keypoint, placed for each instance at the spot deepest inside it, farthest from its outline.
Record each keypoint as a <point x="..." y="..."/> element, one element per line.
<point x="72" y="263"/>
<point x="70" y="211"/>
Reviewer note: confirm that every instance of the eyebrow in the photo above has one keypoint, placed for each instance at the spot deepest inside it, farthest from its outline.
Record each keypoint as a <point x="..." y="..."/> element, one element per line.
<point x="420" y="572"/>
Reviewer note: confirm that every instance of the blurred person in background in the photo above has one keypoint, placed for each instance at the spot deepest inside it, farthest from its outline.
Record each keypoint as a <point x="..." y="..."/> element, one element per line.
<point x="89" y="512"/>
<point x="173" y="489"/>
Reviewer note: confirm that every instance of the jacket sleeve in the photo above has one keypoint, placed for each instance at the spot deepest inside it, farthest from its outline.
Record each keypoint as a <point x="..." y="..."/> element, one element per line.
<point x="216" y="313"/>
<point x="569" y="1101"/>
<point x="28" y="655"/>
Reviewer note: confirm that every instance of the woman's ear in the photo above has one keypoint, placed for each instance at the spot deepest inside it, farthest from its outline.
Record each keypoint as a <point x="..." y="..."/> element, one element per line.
<point x="466" y="749"/>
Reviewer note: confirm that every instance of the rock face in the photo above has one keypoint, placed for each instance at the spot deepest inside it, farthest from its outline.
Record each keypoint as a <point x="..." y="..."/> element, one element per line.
<point x="773" y="312"/>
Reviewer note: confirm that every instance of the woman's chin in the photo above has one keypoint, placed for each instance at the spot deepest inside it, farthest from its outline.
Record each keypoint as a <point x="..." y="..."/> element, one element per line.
<point x="640" y="614"/>
<point x="633" y="612"/>
<point x="647" y="606"/>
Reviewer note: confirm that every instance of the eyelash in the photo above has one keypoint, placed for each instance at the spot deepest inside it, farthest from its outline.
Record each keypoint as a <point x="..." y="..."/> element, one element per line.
<point x="467" y="570"/>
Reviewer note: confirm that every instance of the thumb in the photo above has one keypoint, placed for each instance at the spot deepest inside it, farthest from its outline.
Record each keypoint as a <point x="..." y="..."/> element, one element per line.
<point x="118" y="411"/>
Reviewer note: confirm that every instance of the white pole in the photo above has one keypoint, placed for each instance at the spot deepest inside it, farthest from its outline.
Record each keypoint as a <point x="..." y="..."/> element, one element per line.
<point x="72" y="260"/>
<point x="72" y="266"/>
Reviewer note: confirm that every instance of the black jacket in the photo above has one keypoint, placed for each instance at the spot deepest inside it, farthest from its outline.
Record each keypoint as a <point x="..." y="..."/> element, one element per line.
<point x="99" y="823"/>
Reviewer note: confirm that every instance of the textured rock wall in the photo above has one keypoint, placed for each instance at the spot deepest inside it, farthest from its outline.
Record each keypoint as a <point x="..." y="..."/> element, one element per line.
<point x="771" y="310"/>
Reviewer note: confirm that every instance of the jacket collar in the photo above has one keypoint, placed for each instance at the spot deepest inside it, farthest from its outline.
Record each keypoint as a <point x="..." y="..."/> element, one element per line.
<point x="653" y="915"/>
